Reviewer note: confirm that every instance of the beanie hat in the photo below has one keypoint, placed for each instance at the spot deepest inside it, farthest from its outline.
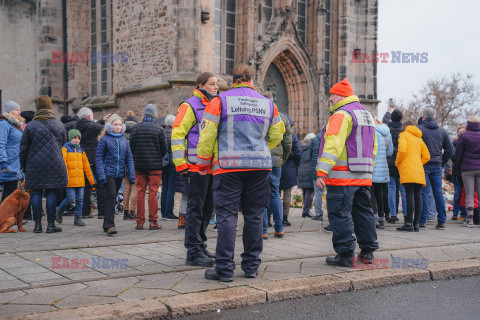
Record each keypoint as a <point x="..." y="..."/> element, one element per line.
<point x="343" y="88"/>
<point x="397" y="115"/>
<point x="150" y="111"/>
<point x="72" y="133"/>
<point x="27" y="115"/>
<point x="10" y="106"/>
<point x="44" y="102"/>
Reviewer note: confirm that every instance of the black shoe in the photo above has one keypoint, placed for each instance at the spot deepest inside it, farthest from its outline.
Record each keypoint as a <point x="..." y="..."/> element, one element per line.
<point x="211" y="274"/>
<point x="406" y="227"/>
<point x="423" y="226"/>
<point x="52" y="228"/>
<point x="318" y="218"/>
<point x="454" y="217"/>
<point x="381" y="225"/>
<point x="340" y="260"/>
<point x="126" y="215"/>
<point x="251" y="275"/>
<point x="100" y="217"/>
<point x="171" y="217"/>
<point x="308" y="215"/>
<point x="416" y="227"/>
<point x="201" y="262"/>
<point x="209" y="254"/>
<point x="392" y="219"/>
<point x="366" y="257"/>
<point x="286" y="223"/>
<point x="59" y="218"/>
<point x="78" y="222"/>
<point x="38" y="227"/>
<point x="327" y="229"/>
<point x="440" y="226"/>
<point x="132" y="216"/>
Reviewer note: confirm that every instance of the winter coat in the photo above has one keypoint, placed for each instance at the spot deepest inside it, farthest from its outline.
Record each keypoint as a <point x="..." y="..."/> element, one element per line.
<point x="113" y="155"/>
<point x="90" y="131"/>
<point x="41" y="155"/>
<point x="314" y="149"/>
<point x="77" y="166"/>
<point x="288" y="178"/>
<point x="395" y="130"/>
<point x="381" y="173"/>
<point x="69" y="122"/>
<point x="436" y="139"/>
<point x="305" y="180"/>
<point x="281" y="152"/>
<point x="148" y="144"/>
<point x="168" y="138"/>
<point x="10" y="137"/>
<point x="467" y="154"/>
<point x="412" y="155"/>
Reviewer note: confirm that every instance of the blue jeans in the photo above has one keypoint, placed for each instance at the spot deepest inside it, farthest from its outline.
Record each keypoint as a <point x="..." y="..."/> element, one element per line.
<point x="168" y="191"/>
<point x="456" y="196"/>
<point x="393" y="187"/>
<point x="275" y="202"/>
<point x="432" y="207"/>
<point x="36" y="201"/>
<point x="73" y="194"/>
<point x="433" y="175"/>
<point x="318" y="199"/>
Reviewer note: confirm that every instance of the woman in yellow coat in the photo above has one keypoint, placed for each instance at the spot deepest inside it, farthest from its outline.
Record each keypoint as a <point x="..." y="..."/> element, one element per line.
<point x="77" y="165"/>
<point x="412" y="155"/>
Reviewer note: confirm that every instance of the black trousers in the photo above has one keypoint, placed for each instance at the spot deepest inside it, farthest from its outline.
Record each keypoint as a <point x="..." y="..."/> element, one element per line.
<point x="347" y="206"/>
<point x="414" y="202"/>
<point x="87" y="194"/>
<point x="8" y="188"/>
<point x="109" y="191"/>
<point x="380" y="199"/>
<point x="199" y="212"/>
<point x="251" y="189"/>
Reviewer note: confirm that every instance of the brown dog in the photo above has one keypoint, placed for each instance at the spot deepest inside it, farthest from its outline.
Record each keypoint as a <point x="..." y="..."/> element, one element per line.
<point x="13" y="208"/>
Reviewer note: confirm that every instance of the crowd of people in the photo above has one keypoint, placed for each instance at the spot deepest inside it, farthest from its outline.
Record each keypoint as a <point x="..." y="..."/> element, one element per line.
<point x="232" y="152"/>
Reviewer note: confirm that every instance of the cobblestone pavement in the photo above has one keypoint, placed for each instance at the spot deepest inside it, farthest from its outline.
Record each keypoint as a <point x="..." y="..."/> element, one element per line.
<point x="36" y="271"/>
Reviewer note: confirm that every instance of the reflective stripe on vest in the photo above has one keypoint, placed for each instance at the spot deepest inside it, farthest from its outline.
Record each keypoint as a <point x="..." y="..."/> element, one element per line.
<point x="194" y="134"/>
<point x="242" y="136"/>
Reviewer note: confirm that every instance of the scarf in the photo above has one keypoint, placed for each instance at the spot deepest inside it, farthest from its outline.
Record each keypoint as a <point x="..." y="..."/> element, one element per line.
<point x="44" y="115"/>
<point x="15" y="122"/>
<point x="207" y="94"/>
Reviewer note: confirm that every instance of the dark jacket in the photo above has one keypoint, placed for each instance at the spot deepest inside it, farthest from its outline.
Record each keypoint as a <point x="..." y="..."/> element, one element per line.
<point x="436" y="139"/>
<point x="395" y="130"/>
<point x="113" y="155"/>
<point x="305" y="180"/>
<point x="180" y="183"/>
<point x="147" y="141"/>
<point x="128" y="128"/>
<point x="41" y="155"/>
<point x="290" y="168"/>
<point x="281" y="152"/>
<point x="313" y="151"/>
<point x="168" y="138"/>
<point x="69" y="122"/>
<point x="90" y="131"/>
<point x="467" y="153"/>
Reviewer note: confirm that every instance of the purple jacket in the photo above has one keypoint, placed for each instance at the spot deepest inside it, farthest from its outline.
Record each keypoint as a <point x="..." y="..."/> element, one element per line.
<point x="467" y="153"/>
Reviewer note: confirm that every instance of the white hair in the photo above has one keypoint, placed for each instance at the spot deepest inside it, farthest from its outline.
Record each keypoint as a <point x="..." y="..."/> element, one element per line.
<point x="169" y="120"/>
<point x="309" y="137"/>
<point x="84" y="112"/>
<point x="428" y="112"/>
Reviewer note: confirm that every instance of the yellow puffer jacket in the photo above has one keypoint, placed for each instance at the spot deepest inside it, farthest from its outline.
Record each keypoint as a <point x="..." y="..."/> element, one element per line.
<point x="77" y="164"/>
<point x="412" y="155"/>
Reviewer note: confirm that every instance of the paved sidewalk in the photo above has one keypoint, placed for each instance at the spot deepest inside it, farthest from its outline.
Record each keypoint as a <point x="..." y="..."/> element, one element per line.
<point x="36" y="273"/>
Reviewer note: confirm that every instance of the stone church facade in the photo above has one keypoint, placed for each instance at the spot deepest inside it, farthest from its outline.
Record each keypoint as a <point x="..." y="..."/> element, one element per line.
<point x="124" y="54"/>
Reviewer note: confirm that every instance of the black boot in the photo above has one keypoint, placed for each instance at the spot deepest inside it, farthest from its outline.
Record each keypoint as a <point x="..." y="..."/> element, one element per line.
<point x="38" y="227"/>
<point x="51" y="227"/>
<point x="269" y="220"/>
<point x="406" y="227"/>
<point x="344" y="260"/>
<point x="366" y="257"/>
<point x="416" y="227"/>
<point x="126" y="215"/>
<point x="286" y="223"/>
<point x="132" y="216"/>
<point x="59" y="215"/>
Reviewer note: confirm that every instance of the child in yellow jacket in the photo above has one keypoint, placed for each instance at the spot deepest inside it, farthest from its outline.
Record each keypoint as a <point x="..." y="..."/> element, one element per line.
<point x="77" y="165"/>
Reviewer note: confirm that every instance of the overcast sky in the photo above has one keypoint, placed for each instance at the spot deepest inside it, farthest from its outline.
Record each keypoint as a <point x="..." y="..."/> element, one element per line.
<point x="449" y="30"/>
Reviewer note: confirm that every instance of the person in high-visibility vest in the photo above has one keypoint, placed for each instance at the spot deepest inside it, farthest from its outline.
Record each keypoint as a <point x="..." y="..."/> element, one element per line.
<point x="345" y="164"/>
<point x="185" y="135"/>
<point x="238" y="129"/>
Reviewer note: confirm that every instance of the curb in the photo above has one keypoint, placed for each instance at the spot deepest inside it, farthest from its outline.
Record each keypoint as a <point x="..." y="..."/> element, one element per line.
<point x="259" y="293"/>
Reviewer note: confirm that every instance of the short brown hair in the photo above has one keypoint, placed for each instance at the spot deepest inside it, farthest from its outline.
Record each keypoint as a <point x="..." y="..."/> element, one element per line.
<point x="406" y="124"/>
<point x="203" y="78"/>
<point x="242" y="73"/>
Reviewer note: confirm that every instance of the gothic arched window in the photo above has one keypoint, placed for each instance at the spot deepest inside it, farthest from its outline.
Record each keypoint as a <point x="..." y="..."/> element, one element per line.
<point x="302" y="19"/>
